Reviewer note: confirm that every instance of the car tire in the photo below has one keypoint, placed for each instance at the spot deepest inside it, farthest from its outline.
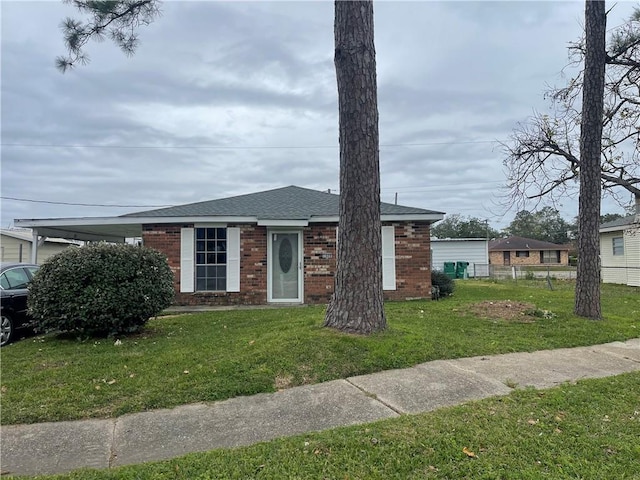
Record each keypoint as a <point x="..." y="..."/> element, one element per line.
<point x="6" y="330"/>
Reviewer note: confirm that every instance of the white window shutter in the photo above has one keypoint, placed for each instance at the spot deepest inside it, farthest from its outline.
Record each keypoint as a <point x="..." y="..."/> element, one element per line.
<point x="186" y="260"/>
<point x="233" y="259"/>
<point x="388" y="258"/>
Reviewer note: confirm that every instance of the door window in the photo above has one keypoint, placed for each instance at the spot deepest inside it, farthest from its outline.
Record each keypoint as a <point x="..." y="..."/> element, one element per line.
<point x="285" y="255"/>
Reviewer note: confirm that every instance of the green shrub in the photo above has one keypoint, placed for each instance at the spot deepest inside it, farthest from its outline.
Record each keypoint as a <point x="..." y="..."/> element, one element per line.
<point x="100" y="289"/>
<point x="443" y="282"/>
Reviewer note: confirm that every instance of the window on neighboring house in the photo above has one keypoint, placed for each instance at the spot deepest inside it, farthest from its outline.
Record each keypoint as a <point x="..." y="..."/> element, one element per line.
<point x="550" y="256"/>
<point x="522" y="253"/>
<point x="618" y="245"/>
<point x="211" y="259"/>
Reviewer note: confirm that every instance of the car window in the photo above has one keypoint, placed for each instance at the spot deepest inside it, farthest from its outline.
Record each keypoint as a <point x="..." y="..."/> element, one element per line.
<point x="4" y="282"/>
<point x="15" y="278"/>
<point x="32" y="270"/>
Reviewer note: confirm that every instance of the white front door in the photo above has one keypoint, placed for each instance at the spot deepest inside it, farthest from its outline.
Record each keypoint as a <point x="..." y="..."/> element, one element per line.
<point x="284" y="266"/>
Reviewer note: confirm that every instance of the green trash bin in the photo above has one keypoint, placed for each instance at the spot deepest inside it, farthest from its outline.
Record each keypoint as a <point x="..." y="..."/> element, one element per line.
<point x="450" y="269"/>
<point x="461" y="269"/>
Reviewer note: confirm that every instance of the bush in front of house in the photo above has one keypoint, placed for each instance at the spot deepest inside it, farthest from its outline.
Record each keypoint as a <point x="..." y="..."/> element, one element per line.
<point x="100" y="289"/>
<point x="443" y="282"/>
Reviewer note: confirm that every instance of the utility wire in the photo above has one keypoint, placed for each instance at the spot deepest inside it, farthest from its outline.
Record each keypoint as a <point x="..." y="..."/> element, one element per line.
<point x="230" y="147"/>
<point x="82" y="204"/>
<point x="425" y="187"/>
<point x="415" y="188"/>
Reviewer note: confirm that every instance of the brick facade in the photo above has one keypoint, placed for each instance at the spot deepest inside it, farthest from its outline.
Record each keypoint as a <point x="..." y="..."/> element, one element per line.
<point x="319" y="262"/>
<point x="412" y="249"/>
<point x="497" y="258"/>
<point x="413" y="261"/>
<point x="166" y="239"/>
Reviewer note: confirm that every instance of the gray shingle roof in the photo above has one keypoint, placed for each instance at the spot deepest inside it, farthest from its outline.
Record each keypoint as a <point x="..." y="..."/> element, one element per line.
<point x="619" y="222"/>
<point x="290" y="203"/>
<point x="522" y="243"/>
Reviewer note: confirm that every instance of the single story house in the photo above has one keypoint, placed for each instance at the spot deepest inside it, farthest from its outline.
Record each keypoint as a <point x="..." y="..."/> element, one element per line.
<point x="474" y="251"/>
<point x="527" y="251"/>
<point x="620" y="251"/>
<point x="277" y="246"/>
<point x="15" y="246"/>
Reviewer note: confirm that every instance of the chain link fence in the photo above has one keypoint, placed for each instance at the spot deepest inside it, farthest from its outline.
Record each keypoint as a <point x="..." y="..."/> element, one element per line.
<point x="526" y="272"/>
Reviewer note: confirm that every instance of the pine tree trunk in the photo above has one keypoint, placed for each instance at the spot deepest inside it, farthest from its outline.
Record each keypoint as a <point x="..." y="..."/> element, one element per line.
<point x="587" y="302"/>
<point x="357" y="304"/>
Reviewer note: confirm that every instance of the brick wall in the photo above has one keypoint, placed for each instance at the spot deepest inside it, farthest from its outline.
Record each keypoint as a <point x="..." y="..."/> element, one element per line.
<point x="253" y="265"/>
<point x="319" y="262"/>
<point x="166" y="239"/>
<point x="413" y="261"/>
<point x="497" y="258"/>
<point x="412" y="245"/>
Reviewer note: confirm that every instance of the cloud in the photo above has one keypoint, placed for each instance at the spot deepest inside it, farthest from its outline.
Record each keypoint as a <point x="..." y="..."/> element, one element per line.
<point x="225" y="98"/>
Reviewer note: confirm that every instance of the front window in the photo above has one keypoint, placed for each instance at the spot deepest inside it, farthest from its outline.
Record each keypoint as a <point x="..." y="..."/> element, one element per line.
<point x="551" y="256"/>
<point x="211" y="259"/>
<point x="522" y="253"/>
<point x="618" y="245"/>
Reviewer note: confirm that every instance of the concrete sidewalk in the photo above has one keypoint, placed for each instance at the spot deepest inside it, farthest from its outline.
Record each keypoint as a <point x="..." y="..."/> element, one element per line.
<point x="161" y="434"/>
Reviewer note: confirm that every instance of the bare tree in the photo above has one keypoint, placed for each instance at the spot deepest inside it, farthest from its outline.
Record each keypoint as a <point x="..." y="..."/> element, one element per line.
<point x="587" y="298"/>
<point x="357" y="304"/>
<point x="591" y="138"/>
<point x="543" y="159"/>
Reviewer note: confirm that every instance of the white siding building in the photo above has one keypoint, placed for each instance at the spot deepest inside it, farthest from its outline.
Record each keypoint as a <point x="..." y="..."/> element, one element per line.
<point x="472" y="250"/>
<point x="620" y="251"/>
<point x="15" y="246"/>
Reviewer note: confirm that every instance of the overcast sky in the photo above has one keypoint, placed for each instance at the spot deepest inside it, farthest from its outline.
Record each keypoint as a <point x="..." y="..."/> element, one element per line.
<point x="227" y="98"/>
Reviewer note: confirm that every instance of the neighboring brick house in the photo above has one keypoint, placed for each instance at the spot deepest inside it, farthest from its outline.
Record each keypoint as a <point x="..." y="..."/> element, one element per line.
<point x="277" y="246"/>
<point x="526" y="251"/>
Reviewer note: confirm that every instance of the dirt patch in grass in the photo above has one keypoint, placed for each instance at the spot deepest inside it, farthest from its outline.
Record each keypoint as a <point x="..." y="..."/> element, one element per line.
<point x="305" y="376"/>
<point x="283" y="382"/>
<point x="505" y="310"/>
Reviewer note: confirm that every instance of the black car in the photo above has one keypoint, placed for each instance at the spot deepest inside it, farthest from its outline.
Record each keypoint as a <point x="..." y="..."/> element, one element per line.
<point x="14" y="278"/>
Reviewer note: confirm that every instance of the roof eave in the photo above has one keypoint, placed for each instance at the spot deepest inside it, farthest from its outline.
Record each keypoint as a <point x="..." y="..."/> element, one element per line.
<point x="391" y="217"/>
<point x="116" y="229"/>
<point x="618" y="228"/>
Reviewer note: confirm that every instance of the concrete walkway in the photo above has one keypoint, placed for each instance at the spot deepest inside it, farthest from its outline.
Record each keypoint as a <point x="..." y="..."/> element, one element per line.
<point x="162" y="434"/>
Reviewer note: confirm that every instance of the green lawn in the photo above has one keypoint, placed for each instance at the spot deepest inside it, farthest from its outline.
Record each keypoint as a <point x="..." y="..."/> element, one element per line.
<point x="585" y="431"/>
<point x="217" y="355"/>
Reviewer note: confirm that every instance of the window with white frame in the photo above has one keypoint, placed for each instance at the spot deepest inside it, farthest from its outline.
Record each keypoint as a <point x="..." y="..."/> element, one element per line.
<point x="618" y="245"/>
<point x="211" y="259"/>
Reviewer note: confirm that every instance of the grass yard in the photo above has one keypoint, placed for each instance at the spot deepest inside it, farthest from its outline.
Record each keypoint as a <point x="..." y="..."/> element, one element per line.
<point x="589" y="430"/>
<point x="218" y="355"/>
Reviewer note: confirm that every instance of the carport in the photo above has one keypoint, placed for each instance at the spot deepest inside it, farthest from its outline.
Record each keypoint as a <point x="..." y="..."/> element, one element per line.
<point x="88" y="229"/>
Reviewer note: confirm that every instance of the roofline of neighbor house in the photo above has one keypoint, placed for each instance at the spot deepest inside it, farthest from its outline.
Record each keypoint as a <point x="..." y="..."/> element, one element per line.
<point x="619" y="228"/>
<point x="27" y="236"/>
<point x="470" y="239"/>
